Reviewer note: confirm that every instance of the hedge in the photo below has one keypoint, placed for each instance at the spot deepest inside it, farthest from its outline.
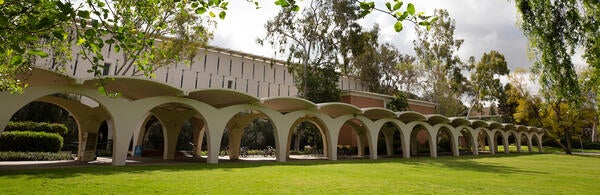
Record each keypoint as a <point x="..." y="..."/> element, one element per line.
<point x="29" y="141"/>
<point x="34" y="156"/>
<point x="37" y="126"/>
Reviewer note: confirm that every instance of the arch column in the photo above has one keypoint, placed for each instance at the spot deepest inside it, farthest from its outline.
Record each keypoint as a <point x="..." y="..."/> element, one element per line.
<point x="388" y="134"/>
<point x="216" y="125"/>
<point x="505" y="142"/>
<point x="333" y="129"/>
<point x="454" y="142"/>
<point x="518" y="142"/>
<point x="282" y="126"/>
<point x="491" y="141"/>
<point x="433" y="142"/>
<point x="405" y="142"/>
<point x="529" y="144"/>
<point x="475" y="140"/>
<point x="540" y="147"/>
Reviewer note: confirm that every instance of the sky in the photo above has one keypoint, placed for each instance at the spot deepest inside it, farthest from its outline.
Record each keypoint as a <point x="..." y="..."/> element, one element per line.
<point x="483" y="24"/>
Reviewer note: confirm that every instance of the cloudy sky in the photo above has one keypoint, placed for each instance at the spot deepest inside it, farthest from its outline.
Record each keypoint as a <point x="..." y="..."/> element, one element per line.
<point x="484" y="25"/>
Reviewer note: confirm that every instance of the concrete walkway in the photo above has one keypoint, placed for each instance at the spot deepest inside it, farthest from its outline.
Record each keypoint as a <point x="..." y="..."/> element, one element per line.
<point x="134" y="161"/>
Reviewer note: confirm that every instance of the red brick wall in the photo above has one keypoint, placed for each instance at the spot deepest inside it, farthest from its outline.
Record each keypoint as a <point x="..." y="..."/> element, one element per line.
<point x="422" y="109"/>
<point x="347" y="136"/>
<point x="362" y="102"/>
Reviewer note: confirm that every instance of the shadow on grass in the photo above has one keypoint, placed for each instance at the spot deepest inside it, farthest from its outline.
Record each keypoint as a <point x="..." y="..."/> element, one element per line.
<point x="467" y="163"/>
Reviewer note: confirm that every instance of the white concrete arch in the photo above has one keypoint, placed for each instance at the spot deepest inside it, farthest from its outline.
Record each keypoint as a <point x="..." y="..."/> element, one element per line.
<point x="138" y="109"/>
<point x="117" y="108"/>
<point x="517" y="139"/>
<point x="504" y="135"/>
<point x="88" y="119"/>
<point x="410" y="126"/>
<point x="490" y="139"/>
<point x="389" y="138"/>
<point x="335" y="125"/>
<point x="323" y="123"/>
<point x="472" y="137"/>
<point x="453" y="136"/>
<point x="527" y="139"/>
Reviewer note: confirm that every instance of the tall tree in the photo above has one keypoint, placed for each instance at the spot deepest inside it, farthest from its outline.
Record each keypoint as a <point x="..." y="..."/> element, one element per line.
<point x="311" y="38"/>
<point x="555" y="29"/>
<point x="435" y="51"/>
<point x="485" y="80"/>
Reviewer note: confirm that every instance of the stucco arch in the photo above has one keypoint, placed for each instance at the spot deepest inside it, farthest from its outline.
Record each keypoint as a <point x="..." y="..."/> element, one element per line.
<point x="305" y="116"/>
<point x="517" y="136"/>
<point x="489" y="136"/>
<point x="470" y="138"/>
<point x="430" y="136"/>
<point x="400" y="127"/>
<point x="88" y="119"/>
<point x="230" y="112"/>
<point x="436" y="129"/>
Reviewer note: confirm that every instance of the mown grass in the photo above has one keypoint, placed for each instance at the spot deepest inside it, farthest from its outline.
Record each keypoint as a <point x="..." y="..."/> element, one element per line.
<point x="486" y="174"/>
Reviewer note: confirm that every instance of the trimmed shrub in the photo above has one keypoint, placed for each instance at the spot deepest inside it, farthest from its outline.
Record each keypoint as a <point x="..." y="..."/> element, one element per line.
<point x="34" y="156"/>
<point x="29" y="141"/>
<point x="37" y="127"/>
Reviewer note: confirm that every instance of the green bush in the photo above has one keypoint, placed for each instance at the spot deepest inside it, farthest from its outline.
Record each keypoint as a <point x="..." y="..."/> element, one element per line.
<point x="37" y="127"/>
<point x="34" y="156"/>
<point x="29" y="141"/>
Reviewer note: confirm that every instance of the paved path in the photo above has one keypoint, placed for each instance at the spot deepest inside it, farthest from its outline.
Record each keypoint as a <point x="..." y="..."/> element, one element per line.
<point x="133" y="161"/>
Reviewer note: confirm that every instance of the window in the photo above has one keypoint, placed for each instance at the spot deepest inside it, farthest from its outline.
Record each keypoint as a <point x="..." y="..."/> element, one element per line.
<point x="105" y="68"/>
<point x="229" y="84"/>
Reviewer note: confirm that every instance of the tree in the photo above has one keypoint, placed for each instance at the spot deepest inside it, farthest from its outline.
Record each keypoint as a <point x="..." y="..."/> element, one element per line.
<point x="36" y="29"/>
<point x="506" y="105"/>
<point x="555" y="29"/>
<point x="28" y="29"/>
<point x="435" y="51"/>
<point x="485" y="80"/>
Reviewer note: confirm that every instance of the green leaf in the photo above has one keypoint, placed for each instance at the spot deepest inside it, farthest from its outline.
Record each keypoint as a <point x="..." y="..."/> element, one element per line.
<point x="282" y="3"/>
<point x="295" y="8"/>
<point x="411" y="9"/>
<point x="211" y="14"/>
<point x="16" y="60"/>
<point x="60" y="35"/>
<point x="398" y="5"/>
<point x="83" y="14"/>
<point x="201" y="10"/>
<point x="222" y="15"/>
<point x="389" y="6"/>
<point x="80" y="41"/>
<point x="1" y="2"/>
<point x="38" y="53"/>
<point x="398" y="26"/>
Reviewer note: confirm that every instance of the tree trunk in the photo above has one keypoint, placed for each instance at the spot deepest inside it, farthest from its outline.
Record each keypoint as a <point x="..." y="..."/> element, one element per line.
<point x="568" y="139"/>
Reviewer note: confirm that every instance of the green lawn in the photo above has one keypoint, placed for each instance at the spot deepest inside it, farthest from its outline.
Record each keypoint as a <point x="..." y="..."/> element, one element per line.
<point x="505" y="174"/>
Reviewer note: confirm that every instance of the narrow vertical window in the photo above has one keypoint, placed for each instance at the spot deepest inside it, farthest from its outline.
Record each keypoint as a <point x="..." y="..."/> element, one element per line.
<point x="181" y="82"/>
<point x="209" y="80"/>
<point x="167" y="76"/>
<point x="218" y="64"/>
<point x="205" y="56"/>
<point x="258" y="89"/>
<point x="196" y="82"/>
<point x="105" y="69"/>
<point x="230" y="62"/>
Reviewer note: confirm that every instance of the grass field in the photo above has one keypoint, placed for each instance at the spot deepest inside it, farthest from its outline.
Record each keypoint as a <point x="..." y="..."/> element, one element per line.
<point x="505" y="174"/>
